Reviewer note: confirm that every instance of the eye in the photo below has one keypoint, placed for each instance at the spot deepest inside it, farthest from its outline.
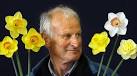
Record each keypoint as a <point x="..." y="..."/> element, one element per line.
<point x="66" y="36"/>
<point x="78" y="35"/>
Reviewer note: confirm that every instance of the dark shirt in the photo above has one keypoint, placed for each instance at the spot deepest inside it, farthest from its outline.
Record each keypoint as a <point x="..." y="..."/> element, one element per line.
<point x="85" y="67"/>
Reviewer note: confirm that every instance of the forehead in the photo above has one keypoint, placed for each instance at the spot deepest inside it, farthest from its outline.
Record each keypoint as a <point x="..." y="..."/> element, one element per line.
<point x="63" y="23"/>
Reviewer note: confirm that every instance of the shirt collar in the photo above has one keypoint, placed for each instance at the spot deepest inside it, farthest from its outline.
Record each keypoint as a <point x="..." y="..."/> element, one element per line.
<point x="66" y="74"/>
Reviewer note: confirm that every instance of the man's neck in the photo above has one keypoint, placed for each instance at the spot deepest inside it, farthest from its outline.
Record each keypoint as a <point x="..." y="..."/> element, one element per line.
<point x="60" y="67"/>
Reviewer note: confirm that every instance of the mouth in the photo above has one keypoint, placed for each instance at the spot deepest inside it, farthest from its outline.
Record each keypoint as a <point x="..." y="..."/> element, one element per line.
<point x="75" y="50"/>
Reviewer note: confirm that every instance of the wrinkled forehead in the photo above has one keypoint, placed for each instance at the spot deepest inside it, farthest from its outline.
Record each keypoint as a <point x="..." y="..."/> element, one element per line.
<point x="63" y="23"/>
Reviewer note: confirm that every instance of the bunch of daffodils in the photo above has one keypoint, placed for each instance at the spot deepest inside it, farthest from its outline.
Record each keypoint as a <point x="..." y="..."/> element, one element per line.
<point x="116" y="25"/>
<point x="9" y="45"/>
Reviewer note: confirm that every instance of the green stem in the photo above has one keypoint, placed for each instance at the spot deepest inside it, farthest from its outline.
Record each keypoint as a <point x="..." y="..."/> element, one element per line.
<point x="14" y="66"/>
<point x="114" y="72"/>
<point x="100" y="65"/>
<point x="29" y="63"/>
<point x="19" y="64"/>
<point x="111" y="55"/>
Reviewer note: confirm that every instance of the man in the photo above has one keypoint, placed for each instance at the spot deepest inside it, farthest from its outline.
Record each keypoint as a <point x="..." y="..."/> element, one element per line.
<point x="60" y="27"/>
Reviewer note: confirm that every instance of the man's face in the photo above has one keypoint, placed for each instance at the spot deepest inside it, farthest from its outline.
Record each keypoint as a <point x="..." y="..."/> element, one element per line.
<point x="66" y="39"/>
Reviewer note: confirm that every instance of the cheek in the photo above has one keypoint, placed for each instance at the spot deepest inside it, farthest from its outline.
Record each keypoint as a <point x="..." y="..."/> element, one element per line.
<point x="62" y="47"/>
<point x="59" y="45"/>
<point x="62" y="44"/>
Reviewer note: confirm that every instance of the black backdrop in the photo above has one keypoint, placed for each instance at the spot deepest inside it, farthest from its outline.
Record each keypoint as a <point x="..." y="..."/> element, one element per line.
<point x="93" y="14"/>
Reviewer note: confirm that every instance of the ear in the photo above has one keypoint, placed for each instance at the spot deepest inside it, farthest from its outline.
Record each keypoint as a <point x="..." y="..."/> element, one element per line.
<point x="47" y="40"/>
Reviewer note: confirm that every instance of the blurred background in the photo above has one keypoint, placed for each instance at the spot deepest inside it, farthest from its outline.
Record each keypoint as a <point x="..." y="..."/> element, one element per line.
<point x="93" y="15"/>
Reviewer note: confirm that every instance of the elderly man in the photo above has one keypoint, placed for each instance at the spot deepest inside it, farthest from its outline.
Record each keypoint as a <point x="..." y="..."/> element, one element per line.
<point x="60" y="27"/>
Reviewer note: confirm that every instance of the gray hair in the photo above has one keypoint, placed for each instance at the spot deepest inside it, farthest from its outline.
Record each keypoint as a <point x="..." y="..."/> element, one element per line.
<point x="46" y="17"/>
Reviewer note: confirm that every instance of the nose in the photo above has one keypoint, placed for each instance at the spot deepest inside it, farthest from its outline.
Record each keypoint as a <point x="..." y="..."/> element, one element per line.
<point x="75" y="41"/>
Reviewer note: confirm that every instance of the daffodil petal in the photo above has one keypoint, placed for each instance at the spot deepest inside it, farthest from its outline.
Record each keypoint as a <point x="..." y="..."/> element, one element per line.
<point x="125" y="57"/>
<point x="108" y="26"/>
<point x="95" y="52"/>
<point x="9" y="55"/>
<point x="24" y="22"/>
<point x="113" y="32"/>
<point x="121" y="15"/>
<point x="133" y="56"/>
<point x="36" y="49"/>
<point x="111" y="16"/>
<point x="119" y="53"/>
<point x="18" y="15"/>
<point x="22" y="31"/>
<point x="26" y="42"/>
<point x="23" y="38"/>
<point x="28" y="46"/>
<point x="14" y="34"/>
<point x="14" y="48"/>
<point x="7" y="38"/>
<point x="9" y="19"/>
<point x="42" y="42"/>
<point x="122" y="31"/>
<point x="125" y="22"/>
<point x="2" y="51"/>
<point x="32" y="31"/>
<point x="9" y="27"/>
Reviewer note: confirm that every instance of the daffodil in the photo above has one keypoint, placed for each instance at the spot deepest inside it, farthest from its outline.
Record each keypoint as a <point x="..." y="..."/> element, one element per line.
<point x="127" y="49"/>
<point x="8" y="46"/>
<point x="99" y="42"/>
<point x="16" y="24"/>
<point x="116" y="24"/>
<point x="33" y="40"/>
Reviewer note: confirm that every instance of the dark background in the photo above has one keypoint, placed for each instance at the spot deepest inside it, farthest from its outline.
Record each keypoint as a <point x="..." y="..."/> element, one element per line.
<point x="93" y="15"/>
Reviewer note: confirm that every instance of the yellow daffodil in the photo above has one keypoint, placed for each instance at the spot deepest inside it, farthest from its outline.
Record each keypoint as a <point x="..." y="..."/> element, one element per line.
<point x="99" y="42"/>
<point x="127" y="49"/>
<point x="33" y="40"/>
<point x="116" y="24"/>
<point x="16" y="25"/>
<point x="8" y="46"/>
